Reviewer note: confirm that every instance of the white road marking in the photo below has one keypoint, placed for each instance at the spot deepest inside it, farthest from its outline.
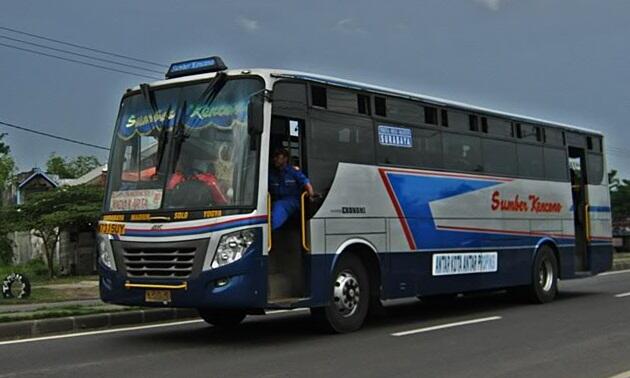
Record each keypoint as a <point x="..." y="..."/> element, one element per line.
<point x="621" y="295"/>
<point x="614" y="272"/>
<point x="123" y="329"/>
<point x="100" y="332"/>
<point x="449" y="325"/>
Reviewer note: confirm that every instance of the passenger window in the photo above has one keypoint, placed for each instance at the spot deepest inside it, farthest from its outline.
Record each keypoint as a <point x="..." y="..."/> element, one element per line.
<point x="530" y="161"/>
<point x="499" y="127"/>
<point x="425" y="150"/>
<point x="499" y="157"/>
<point x="530" y="132"/>
<point x="473" y="123"/>
<point x="555" y="164"/>
<point x="553" y="137"/>
<point x="341" y="101"/>
<point x="462" y="152"/>
<point x="458" y="121"/>
<point x="430" y="115"/>
<point x="484" y="125"/>
<point x="576" y="140"/>
<point x="363" y="104"/>
<point x="444" y="117"/>
<point x="318" y="96"/>
<point x="380" y="106"/>
<point x="403" y="110"/>
<point x="595" y="169"/>
<point x="337" y="138"/>
<point x="597" y="144"/>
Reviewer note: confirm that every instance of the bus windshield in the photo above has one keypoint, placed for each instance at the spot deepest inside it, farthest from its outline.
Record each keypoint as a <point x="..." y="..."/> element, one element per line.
<point x="184" y="147"/>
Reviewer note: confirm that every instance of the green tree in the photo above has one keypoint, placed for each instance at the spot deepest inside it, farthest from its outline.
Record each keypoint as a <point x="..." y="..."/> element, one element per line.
<point x="49" y="213"/>
<point x="7" y="165"/>
<point x="67" y="168"/>
<point x="7" y="173"/>
<point x="619" y="197"/>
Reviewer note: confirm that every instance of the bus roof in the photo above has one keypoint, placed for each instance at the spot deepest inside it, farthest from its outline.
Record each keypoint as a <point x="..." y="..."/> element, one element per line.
<point x="418" y="96"/>
<point x="297" y="75"/>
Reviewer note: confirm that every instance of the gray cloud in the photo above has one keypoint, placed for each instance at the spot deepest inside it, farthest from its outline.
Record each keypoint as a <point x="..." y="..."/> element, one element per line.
<point x="349" y="25"/>
<point x="493" y="5"/>
<point x="248" y="24"/>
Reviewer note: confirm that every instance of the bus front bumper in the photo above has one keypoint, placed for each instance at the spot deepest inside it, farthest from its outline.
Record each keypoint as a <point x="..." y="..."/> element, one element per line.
<point x="242" y="284"/>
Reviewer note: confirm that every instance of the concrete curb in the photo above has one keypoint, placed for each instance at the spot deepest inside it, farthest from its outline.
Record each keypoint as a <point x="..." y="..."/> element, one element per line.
<point x="621" y="264"/>
<point x="41" y="327"/>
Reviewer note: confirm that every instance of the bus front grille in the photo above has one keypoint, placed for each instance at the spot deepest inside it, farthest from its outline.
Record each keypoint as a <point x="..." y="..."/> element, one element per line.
<point x="177" y="260"/>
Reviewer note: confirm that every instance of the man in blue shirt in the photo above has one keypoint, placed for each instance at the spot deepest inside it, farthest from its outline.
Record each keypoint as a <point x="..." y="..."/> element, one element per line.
<point x="285" y="185"/>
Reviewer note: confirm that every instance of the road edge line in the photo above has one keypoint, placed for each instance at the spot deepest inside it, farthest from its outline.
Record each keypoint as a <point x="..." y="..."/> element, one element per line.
<point x="444" y="326"/>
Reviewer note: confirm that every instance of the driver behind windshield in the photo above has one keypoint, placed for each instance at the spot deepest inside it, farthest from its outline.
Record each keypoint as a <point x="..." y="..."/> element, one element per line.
<point x="193" y="182"/>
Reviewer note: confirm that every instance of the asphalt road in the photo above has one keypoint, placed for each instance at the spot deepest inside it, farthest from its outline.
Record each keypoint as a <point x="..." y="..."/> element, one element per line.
<point x="584" y="333"/>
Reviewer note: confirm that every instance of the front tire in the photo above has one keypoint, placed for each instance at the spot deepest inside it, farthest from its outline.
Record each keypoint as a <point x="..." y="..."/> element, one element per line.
<point x="350" y="298"/>
<point x="544" y="286"/>
<point x="222" y="318"/>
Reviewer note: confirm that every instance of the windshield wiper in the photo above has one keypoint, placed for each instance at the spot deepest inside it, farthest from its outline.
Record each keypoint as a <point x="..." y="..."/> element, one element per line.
<point x="208" y="94"/>
<point x="150" y="100"/>
<point x="207" y="97"/>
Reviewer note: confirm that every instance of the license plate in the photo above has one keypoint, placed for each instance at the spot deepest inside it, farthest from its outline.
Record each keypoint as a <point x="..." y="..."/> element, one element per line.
<point x="111" y="228"/>
<point x="160" y="296"/>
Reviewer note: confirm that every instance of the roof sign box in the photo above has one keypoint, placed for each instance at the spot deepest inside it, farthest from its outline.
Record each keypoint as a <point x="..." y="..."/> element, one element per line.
<point x="196" y="66"/>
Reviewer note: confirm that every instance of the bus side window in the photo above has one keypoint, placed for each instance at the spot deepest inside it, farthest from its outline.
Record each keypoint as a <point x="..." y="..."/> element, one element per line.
<point x="336" y="138"/>
<point x="555" y="164"/>
<point x="462" y="152"/>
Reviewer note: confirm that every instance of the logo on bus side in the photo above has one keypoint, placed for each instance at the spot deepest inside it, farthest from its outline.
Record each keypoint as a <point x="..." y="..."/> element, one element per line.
<point x="350" y="210"/>
<point x="532" y="204"/>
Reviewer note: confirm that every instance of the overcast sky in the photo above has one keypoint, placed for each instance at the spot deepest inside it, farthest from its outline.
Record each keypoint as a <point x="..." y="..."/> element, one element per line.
<point x="565" y="60"/>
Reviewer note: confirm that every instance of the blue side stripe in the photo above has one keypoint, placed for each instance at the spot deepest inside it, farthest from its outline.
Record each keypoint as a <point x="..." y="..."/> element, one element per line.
<point x="599" y="209"/>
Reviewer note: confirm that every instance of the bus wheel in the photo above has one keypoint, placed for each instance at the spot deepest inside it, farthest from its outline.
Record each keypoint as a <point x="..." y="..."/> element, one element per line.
<point x="350" y="300"/>
<point x="222" y="318"/>
<point x="544" y="285"/>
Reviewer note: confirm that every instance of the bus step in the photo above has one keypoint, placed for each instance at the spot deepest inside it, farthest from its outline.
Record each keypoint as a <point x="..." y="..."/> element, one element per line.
<point x="291" y="302"/>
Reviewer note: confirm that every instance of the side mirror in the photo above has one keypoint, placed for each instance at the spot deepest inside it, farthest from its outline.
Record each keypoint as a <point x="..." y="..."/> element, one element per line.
<point x="255" y="115"/>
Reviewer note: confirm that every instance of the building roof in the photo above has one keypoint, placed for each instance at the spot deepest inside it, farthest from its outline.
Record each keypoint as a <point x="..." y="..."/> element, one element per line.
<point x="36" y="172"/>
<point x="87" y="178"/>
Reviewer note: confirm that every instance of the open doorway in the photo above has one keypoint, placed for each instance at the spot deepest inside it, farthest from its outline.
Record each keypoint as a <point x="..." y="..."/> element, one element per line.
<point x="287" y="265"/>
<point x="577" y="167"/>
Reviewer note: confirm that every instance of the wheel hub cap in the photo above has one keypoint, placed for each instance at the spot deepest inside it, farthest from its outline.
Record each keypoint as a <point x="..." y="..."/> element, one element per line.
<point x="346" y="294"/>
<point x="545" y="276"/>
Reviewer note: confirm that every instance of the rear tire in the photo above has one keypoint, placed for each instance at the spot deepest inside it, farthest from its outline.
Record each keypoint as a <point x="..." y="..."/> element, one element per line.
<point x="544" y="286"/>
<point x="222" y="318"/>
<point x="350" y="298"/>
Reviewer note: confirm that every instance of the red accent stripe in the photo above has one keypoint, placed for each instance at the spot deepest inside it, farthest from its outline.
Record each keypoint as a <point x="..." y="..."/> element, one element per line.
<point x="508" y="232"/>
<point x="200" y="226"/>
<point x="399" y="212"/>
<point x="606" y="238"/>
<point x="446" y="174"/>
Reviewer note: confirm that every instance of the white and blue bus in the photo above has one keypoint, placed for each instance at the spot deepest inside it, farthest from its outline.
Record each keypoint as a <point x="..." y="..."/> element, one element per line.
<point x="421" y="197"/>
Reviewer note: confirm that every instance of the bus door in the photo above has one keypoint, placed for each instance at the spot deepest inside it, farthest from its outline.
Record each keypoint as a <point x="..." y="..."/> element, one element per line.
<point x="577" y="167"/>
<point x="287" y="263"/>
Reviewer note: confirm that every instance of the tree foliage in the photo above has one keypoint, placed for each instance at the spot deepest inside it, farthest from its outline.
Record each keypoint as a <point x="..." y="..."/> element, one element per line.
<point x="67" y="168"/>
<point x="49" y="213"/>
<point x="7" y="174"/>
<point x="619" y="198"/>
<point x="7" y="165"/>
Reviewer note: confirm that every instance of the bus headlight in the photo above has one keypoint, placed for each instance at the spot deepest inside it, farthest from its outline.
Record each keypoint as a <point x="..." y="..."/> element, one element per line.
<point x="232" y="246"/>
<point x="105" y="252"/>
